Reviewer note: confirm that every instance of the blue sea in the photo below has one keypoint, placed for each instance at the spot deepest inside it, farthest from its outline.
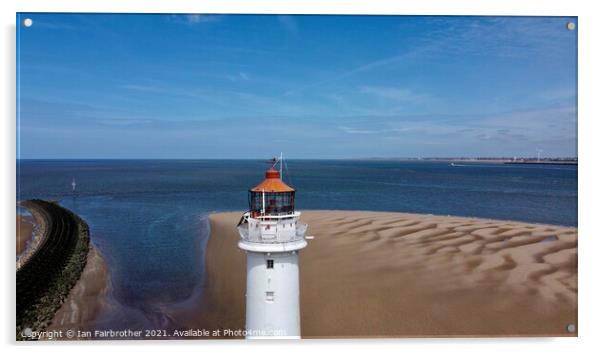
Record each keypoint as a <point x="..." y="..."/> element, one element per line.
<point x="149" y="217"/>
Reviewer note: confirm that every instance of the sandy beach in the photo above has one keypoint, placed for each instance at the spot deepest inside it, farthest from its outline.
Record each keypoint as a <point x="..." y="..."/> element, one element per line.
<point x="379" y="274"/>
<point x="25" y="225"/>
<point x="87" y="298"/>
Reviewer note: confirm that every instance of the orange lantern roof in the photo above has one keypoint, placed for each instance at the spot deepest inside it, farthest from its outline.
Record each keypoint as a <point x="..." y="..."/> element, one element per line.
<point x="272" y="183"/>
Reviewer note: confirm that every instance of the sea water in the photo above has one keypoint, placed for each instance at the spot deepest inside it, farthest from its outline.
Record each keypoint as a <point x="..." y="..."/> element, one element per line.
<point x="149" y="217"/>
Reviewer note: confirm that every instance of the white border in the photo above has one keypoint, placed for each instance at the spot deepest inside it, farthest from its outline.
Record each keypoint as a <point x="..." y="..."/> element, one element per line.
<point x="590" y="175"/>
<point x="424" y="7"/>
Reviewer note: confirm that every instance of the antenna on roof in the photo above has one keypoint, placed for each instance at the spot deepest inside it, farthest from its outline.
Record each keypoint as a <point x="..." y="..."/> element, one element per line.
<point x="280" y="164"/>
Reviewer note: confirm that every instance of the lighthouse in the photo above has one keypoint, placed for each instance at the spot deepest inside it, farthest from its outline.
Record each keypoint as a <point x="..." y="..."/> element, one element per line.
<point x="271" y="236"/>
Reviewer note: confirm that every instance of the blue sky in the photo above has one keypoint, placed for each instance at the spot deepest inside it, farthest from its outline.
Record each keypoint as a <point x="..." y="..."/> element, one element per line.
<point x="241" y="86"/>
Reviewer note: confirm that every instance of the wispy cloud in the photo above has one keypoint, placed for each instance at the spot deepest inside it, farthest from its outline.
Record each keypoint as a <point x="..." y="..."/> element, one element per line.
<point x="519" y="126"/>
<point x="193" y="19"/>
<point x="499" y="36"/>
<point x="393" y="93"/>
<point x="171" y="91"/>
<point x="145" y="88"/>
<point x="353" y="71"/>
<point x="240" y="76"/>
<point x="250" y="103"/>
<point x="457" y="37"/>
<point x="350" y="130"/>
<point x="125" y="122"/>
<point x="558" y="94"/>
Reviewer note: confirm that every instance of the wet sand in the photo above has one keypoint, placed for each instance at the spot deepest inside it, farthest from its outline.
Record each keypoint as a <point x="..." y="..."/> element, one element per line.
<point x="29" y="237"/>
<point x="88" y="297"/>
<point x="378" y="274"/>
<point x="25" y="226"/>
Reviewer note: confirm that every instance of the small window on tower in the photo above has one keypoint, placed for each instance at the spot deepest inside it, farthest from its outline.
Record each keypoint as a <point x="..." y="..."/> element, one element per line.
<point x="269" y="296"/>
<point x="270" y="264"/>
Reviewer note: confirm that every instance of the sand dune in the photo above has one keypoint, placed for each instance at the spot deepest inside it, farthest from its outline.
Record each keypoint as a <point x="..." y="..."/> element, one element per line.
<point x="375" y="274"/>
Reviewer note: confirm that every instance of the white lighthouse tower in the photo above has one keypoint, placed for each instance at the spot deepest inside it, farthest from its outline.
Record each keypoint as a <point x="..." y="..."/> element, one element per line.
<point x="272" y="237"/>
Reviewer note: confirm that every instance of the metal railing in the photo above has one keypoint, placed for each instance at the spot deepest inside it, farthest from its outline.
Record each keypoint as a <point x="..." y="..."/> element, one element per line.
<point x="255" y="235"/>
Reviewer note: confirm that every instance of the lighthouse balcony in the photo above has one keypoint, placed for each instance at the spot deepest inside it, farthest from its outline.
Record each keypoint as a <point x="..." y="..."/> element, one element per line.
<point x="272" y="232"/>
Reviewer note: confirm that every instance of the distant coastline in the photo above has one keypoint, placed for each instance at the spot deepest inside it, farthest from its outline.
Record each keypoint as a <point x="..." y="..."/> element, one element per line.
<point x="500" y="160"/>
<point x="572" y="160"/>
<point x="574" y="163"/>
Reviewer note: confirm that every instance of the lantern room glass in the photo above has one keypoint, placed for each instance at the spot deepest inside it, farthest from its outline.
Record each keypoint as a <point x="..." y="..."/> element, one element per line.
<point x="275" y="203"/>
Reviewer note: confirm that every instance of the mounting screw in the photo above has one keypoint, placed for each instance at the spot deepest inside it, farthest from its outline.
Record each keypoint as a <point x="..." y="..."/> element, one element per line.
<point x="570" y="25"/>
<point x="27" y="332"/>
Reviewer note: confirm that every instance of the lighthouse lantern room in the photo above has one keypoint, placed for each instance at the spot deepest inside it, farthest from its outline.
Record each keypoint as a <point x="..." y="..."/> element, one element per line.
<point x="271" y="236"/>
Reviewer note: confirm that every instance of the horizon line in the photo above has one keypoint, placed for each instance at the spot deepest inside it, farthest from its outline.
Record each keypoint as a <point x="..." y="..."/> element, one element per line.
<point x="310" y="158"/>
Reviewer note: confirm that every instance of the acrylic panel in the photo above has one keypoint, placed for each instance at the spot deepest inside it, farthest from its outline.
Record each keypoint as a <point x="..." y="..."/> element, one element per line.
<point x="214" y="176"/>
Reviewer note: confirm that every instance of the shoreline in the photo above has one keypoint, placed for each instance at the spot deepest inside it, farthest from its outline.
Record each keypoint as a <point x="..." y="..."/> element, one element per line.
<point x="386" y="274"/>
<point x="88" y="298"/>
<point x="214" y="305"/>
<point x="25" y="232"/>
<point x="36" y="234"/>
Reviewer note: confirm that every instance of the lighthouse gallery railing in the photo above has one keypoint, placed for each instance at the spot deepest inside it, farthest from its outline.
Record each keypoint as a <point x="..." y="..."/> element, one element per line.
<point x="255" y="235"/>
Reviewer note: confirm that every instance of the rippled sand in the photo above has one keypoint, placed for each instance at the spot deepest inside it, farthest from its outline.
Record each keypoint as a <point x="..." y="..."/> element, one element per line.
<point x="375" y="274"/>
